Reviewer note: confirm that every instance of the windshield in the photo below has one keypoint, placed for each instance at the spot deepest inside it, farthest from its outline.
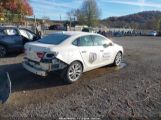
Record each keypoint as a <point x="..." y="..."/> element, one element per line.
<point x="54" y="39"/>
<point x="26" y="34"/>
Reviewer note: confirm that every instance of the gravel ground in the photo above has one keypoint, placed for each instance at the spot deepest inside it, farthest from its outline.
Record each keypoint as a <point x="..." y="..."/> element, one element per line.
<point x="132" y="91"/>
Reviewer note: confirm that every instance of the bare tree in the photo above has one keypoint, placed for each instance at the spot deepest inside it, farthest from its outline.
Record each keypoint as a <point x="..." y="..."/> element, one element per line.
<point x="71" y="16"/>
<point x="88" y="14"/>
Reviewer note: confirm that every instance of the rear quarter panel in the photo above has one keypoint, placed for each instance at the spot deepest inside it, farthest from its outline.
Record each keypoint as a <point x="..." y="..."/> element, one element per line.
<point x="69" y="54"/>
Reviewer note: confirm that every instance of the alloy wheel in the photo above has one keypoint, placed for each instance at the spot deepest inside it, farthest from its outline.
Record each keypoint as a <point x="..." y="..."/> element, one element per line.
<point x="118" y="59"/>
<point x="74" y="71"/>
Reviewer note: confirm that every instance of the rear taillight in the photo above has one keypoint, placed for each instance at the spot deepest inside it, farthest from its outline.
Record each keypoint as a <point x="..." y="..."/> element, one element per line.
<point x="40" y="54"/>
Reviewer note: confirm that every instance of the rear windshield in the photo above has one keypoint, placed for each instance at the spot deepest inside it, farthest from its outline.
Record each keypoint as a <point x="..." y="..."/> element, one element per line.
<point x="54" y="39"/>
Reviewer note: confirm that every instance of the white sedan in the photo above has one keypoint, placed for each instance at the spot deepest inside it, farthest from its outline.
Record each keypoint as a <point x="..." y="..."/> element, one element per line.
<point x="72" y="53"/>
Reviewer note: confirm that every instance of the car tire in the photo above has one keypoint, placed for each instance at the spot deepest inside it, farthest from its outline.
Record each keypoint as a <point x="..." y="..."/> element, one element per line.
<point x="3" y="51"/>
<point x="118" y="59"/>
<point x="73" y="72"/>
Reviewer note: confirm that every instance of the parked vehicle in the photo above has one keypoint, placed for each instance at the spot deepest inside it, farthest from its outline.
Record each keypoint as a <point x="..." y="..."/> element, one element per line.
<point x="57" y="27"/>
<point x="71" y="52"/>
<point x="118" y="34"/>
<point x="13" y="39"/>
<point x="5" y="86"/>
<point x="152" y="33"/>
<point x="88" y="29"/>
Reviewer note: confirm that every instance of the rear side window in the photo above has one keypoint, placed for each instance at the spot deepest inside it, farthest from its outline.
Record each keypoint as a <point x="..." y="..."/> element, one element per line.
<point x="10" y="31"/>
<point x="54" y="39"/>
<point x="83" y="41"/>
<point x="26" y="34"/>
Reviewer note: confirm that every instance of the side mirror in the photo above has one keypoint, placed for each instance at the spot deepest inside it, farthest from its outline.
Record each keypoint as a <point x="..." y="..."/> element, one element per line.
<point x="107" y="45"/>
<point x="5" y="86"/>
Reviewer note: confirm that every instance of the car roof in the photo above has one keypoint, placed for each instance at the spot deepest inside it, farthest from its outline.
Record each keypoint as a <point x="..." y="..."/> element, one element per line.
<point x="14" y="27"/>
<point x="75" y="33"/>
<point x="5" y="27"/>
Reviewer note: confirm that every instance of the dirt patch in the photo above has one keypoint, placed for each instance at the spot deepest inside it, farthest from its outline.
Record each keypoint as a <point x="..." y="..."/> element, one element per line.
<point x="132" y="90"/>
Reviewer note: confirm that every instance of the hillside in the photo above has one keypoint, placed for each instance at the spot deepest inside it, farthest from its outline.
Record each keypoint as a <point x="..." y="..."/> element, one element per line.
<point x="142" y="20"/>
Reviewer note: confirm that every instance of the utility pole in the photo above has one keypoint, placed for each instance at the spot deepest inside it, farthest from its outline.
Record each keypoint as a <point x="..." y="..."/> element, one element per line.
<point x="160" y="27"/>
<point x="35" y="25"/>
<point x="35" y="20"/>
<point x="70" y="23"/>
<point x="60" y="18"/>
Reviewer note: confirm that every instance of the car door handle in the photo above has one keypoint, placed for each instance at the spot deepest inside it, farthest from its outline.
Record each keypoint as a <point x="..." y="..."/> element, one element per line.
<point x="101" y="50"/>
<point x="84" y="51"/>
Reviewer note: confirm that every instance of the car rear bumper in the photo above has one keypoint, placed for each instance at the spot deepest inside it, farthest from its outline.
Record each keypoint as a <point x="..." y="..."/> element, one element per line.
<point x="43" y="67"/>
<point x="34" y="70"/>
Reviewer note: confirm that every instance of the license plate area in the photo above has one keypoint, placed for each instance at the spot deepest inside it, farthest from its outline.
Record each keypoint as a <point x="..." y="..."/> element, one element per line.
<point x="33" y="63"/>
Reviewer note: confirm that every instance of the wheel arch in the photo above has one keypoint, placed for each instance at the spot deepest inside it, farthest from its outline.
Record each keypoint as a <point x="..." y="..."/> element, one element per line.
<point x="117" y="53"/>
<point x="79" y="62"/>
<point x="4" y="46"/>
<point x="120" y="52"/>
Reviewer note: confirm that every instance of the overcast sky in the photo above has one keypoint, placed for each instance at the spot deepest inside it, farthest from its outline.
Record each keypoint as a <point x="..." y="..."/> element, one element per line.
<point x="56" y="8"/>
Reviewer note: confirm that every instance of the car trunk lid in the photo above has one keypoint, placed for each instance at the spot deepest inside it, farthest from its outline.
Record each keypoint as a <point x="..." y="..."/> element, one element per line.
<point x="36" y="50"/>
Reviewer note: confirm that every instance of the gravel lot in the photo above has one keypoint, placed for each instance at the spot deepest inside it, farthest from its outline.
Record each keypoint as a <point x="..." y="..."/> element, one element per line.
<point x="133" y="91"/>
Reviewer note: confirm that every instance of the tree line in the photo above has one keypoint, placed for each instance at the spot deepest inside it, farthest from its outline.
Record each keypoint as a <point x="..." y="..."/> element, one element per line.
<point x="89" y="14"/>
<point x="148" y="20"/>
<point x="14" y="10"/>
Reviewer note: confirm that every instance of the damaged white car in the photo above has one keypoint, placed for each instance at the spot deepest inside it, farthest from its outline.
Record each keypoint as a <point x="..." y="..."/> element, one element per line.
<point x="72" y="53"/>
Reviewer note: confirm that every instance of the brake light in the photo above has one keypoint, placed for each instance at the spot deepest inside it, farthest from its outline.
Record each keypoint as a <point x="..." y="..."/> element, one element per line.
<point x="40" y="54"/>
